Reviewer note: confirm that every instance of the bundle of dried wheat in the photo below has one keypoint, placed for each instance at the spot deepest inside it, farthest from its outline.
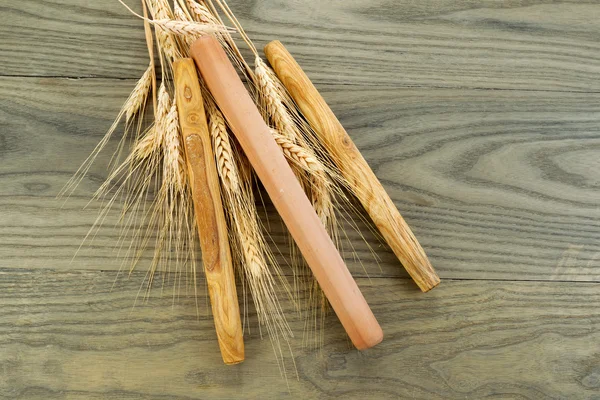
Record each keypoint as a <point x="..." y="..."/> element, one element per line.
<point x="151" y="184"/>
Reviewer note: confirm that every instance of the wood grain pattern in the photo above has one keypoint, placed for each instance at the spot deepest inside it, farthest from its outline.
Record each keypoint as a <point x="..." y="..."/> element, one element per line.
<point x="286" y="194"/>
<point x="210" y="217"/>
<point x="67" y="335"/>
<point x="355" y="170"/>
<point x="500" y="186"/>
<point x="511" y="44"/>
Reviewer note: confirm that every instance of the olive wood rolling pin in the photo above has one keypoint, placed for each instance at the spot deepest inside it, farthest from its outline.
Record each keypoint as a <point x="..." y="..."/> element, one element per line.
<point x="208" y="208"/>
<point x="353" y="166"/>
<point x="286" y="193"/>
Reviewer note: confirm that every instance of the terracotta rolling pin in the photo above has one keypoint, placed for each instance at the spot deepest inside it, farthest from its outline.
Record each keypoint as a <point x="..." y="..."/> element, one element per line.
<point x="212" y="228"/>
<point x="286" y="193"/>
<point x="353" y="166"/>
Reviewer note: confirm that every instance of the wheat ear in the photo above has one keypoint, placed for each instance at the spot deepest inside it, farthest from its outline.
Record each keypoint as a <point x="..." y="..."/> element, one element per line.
<point x="273" y="102"/>
<point x="175" y="167"/>
<point x="201" y="13"/>
<point x="273" y="95"/>
<point x="179" y="13"/>
<point x="139" y="95"/>
<point x="164" y="106"/>
<point x="187" y="27"/>
<point x="160" y="11"/>
<point x="222" y="148"/>
<point x="298" y="155"/>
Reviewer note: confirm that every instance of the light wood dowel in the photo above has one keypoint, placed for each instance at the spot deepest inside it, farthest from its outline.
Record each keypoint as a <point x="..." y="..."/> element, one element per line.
<point x="212" y="227"/>
<point x="286" y="193"/>
<point x="353" y="166"/>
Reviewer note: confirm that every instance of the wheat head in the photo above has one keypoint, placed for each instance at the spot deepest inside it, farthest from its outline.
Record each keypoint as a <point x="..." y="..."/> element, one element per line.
<point x="178" y="12"/>
<point x="298" y="155"/>
<point x="174" y="163"/>
<point x="146" y="145"/>
<point x="163" y="107"/>
<point x="187" y="27"/>
<point x="274" y="109"/>
<point x="222" y="147"/>
<point x="162" y="11"/>
<point x="139" y="94"/>
<point x="201" y="12"/>
<point x="180" y="15"/>
<point x="272" y="97"/>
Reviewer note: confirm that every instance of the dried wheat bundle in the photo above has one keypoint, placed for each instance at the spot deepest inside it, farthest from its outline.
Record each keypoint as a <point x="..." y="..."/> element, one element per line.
<point x="150" y="182"/>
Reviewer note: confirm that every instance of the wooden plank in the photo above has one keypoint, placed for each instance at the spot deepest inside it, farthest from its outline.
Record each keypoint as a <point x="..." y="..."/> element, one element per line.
<point x="72" y="38"/>
<point x="495" y="184"/>
<point x="441" y="43"/>
<point x="68" y="335"/>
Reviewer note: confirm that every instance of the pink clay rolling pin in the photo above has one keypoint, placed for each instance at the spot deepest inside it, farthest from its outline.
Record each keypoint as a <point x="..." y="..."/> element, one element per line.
<point x="286" y="193"/>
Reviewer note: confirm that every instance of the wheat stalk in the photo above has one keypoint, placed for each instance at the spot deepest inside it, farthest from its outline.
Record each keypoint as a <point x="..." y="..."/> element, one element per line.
<point x="138" y="96"/>
<point x="150" y="46"/>
<point x="272" y="97"/>
<point x="202" y="13"/>
<point x="298" y="155"/>
<point x="259" y="267"/>
<point x="175" y="167"/>
<point x="134" y="104"/>
<point x="172" y="213"/>
<point x="178" y="13"/>
<point x="161" y="10"/>
<point x="181" y="14"/>
<point x="163" y="108"/>
<point x="222" y="146"/>
<point x="145" y="146"/>
<point x="184" y="28"/>
<point x="254" y="261"/>
<point x="320" y="190"/>
<point x="274" y="109"/>
<point x="172" y="205"/>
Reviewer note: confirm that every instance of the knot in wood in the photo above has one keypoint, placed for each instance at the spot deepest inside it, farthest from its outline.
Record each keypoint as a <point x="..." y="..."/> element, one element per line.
<point x="193" y="118"/>
<point x="187" y="92"/>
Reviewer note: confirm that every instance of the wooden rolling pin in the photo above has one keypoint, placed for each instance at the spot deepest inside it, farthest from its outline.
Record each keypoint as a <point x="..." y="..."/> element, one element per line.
<point x="212" y="228"/>
<point x="286" y="193"/>
<point x="353" y="166"/>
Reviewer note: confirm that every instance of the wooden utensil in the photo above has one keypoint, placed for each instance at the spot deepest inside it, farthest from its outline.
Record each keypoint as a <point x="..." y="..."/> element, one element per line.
<point x="208" y="208"/>
<point x="286" y="193"/>
<point x="353" y="166"/>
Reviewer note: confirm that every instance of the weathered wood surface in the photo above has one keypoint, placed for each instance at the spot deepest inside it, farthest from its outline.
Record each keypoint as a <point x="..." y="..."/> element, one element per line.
<point x="442" y="43"/>
<point x="500" y="187"/>
<point x="65" y="335"/>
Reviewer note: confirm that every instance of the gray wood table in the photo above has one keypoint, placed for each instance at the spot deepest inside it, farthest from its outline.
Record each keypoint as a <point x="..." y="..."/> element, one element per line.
<point x="481" y="118"/>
